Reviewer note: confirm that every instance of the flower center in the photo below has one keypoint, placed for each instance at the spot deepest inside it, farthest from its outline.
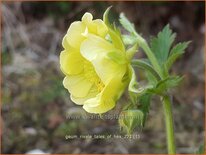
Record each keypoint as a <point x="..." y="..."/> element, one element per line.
<point x="92" y="76"/>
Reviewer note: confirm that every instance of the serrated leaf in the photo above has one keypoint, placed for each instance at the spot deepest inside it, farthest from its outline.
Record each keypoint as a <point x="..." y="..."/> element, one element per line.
<point x="130" y="28"/>
<point x="179" y="48"/>
<point x="163" y="85"/>
<point x="161" y="44"/>
<point x="127" y="24"/>
<point x="172" y="59"/>
<point x="176" y="52"/>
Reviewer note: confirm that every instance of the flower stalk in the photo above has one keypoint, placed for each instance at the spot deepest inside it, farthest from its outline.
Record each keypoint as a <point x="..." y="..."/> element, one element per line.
<point x="167" y="106"/>
<point x="157" y="72"/>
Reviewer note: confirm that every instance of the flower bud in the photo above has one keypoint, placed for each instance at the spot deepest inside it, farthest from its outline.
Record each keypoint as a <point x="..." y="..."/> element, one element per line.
<point x="130" y="119"/>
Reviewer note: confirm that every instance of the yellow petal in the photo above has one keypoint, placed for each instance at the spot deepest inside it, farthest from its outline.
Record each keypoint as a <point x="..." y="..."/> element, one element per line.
<point x="87" y="18"/>
<point x="97" y="26"/>
<point x="77" y="85"/>
<point x="71" y="62"/>
<point x="101" y="106"/>
<point x="74" y="35"/>
<point x="114" y="88"/>
<point x="107" y="69"/>
<point x="65" y="43"/>
<point x="105" y="101"/>
<point x="95" y="50"/>
<point x="80" y="101"/>
<point x="101" y="28"/>
<point x="93" y="46"/>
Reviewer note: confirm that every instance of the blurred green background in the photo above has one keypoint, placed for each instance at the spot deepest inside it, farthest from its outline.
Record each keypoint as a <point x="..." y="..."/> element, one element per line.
<point x="35" y="104"/>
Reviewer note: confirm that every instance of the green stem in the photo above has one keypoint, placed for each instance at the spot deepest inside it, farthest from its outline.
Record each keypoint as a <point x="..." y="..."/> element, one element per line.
<point x="143" y="44"/>
<point x="169" y="124"/>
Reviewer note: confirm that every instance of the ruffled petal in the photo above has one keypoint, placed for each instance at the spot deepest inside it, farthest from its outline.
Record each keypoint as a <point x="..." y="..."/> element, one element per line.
<point x="105" y="101"/>
<point x="96" y="106"/>
<point x="71" y="63"/>
<point x="80" y="101"/>
<point x="93" y="46"/>
<point x="97" y="26"/>
<point x="74" y="35"/>
<point x="101" y="28"/>
<point x="87" y="18"/>
<point x="107" y="69"/>
<point x="95" y="50"/>
<point x="77" y="85"/>
<point x="114" y="88"/>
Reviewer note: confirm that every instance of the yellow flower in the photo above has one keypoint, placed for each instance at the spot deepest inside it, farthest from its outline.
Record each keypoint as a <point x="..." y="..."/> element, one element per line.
<point x="96" y="69"/>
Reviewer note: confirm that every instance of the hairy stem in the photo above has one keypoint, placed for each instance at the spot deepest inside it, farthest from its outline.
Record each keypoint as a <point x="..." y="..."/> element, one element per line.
<point x="143" y="44"/>
<point x="169" y="124"/>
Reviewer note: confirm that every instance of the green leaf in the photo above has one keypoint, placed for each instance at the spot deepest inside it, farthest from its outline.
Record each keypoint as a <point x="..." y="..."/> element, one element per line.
<point x="127" y="24"/>
<point x="161" y="44"/>
<point x="130" y="28"/>
<point x="151" y="78"/>
<point x="163" y="85"/>
<point x="179" y="48"/>
<point x="176" y="52"/>
<point x="165" y="70"/>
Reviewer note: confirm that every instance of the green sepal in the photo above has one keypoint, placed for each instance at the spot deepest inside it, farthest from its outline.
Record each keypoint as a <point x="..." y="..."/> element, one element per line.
<point x="113" y="31"/>
<point x="117" y="56"/>
<point x="131" y="52"/>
